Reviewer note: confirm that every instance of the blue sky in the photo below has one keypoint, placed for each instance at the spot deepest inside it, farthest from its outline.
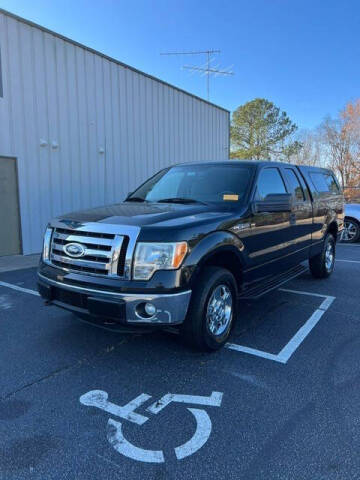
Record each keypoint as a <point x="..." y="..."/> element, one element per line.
<point x="302" y="55"/>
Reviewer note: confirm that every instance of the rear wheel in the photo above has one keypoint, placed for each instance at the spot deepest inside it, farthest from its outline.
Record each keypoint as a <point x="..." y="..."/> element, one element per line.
<point x="351" y="232"/>
<point x="212" y="309"/>
<point x="322" y="265"/>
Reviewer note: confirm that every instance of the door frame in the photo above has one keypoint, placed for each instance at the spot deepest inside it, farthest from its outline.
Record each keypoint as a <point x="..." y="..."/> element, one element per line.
<point x="264" y="268"/>
<point x="305" y="203"/>
<point x="11" y="157"/>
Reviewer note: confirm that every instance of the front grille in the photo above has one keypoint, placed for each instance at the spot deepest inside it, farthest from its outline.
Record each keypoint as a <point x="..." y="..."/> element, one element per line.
<point x="104" y="253"/>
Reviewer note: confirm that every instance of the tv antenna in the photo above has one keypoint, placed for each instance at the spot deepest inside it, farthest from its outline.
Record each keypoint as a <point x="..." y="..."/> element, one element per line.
<point x="207" y="68"/>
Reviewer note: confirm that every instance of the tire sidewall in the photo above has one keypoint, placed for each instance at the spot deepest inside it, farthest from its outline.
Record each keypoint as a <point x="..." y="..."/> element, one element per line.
<point x="212" y="341"/>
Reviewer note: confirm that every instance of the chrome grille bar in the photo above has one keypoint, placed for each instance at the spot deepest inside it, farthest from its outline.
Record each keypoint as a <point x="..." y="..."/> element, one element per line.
<point x="80" y="263"/>
<point x="82" y="238"/>
<point x="117" y="243"/>
<point x="101" y="251"/>
<point x="88" y="251"/>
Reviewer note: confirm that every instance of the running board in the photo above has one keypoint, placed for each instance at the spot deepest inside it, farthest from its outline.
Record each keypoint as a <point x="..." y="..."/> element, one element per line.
<point x="272" y="284"/>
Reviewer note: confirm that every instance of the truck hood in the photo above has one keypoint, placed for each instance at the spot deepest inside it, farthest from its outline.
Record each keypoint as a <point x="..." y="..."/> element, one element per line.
<point x="151" y="214"/>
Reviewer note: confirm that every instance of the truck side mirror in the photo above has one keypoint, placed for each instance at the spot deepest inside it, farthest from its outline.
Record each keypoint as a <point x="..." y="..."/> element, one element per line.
<point x="274" y="202"/>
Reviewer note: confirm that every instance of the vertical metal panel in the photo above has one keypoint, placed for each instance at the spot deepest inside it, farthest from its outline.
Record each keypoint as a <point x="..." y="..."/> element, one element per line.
<point x="105" y="126"/>
<point x="6" y="134"/>
<point x="17" y="121"/>
<point x="1" y="80"/>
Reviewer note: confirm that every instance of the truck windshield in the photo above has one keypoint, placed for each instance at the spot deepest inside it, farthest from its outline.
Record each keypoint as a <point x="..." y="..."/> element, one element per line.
<point x="196" y="183"/>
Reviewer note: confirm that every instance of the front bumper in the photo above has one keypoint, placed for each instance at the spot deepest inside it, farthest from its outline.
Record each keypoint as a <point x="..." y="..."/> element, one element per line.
<point x="122" y="308"/>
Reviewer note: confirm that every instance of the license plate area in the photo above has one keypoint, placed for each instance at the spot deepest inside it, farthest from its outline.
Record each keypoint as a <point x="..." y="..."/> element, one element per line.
<point x="70" y="298"/>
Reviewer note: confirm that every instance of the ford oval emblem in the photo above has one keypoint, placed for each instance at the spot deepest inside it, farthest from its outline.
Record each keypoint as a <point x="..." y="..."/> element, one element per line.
<point x="74" y="250"/>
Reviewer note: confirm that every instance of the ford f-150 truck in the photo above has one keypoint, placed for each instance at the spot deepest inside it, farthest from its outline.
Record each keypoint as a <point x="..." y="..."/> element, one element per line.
<point x="189" y="243"/>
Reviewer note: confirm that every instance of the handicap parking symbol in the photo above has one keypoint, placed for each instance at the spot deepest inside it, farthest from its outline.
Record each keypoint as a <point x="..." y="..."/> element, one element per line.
<point x="116" y="438"/>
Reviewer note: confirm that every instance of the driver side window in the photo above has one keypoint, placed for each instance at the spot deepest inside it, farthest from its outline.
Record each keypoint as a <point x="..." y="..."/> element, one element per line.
<point x="269" y="182"/>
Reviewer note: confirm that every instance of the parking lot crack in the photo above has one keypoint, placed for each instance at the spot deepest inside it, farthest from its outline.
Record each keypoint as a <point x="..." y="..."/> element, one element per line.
<point x="66" y="368"/>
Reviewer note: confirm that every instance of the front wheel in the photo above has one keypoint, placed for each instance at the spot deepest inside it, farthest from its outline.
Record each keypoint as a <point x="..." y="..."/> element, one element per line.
<point x="322" y="265"/>
<point x="212" y="311"/>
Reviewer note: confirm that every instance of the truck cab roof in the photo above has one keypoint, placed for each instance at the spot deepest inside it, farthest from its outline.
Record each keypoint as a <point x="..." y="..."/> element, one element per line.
<point x="258" y="163"/>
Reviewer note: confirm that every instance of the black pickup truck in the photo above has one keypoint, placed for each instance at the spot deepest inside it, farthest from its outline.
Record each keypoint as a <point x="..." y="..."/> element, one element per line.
<point x="189" y="243"/>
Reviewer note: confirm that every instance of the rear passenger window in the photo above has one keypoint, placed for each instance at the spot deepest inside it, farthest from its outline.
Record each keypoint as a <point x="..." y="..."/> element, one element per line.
<point x="324" y="183"/>
<point x="332" y="184"/>
<point x="295" y="187"/>
<point x="320" y="183"/>
<point x="269" y="181"/>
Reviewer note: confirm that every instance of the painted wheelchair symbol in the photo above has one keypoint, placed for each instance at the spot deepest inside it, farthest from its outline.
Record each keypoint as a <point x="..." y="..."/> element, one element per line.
<point x="115" y="436"/>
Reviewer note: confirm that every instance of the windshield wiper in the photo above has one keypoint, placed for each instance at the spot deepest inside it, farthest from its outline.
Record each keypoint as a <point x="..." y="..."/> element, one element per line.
<point x="135" y="199"/>
<point x="179" y="200"/>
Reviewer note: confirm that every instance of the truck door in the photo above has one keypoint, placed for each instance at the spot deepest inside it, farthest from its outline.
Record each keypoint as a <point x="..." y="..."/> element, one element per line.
<point x="301" y="218"/>
<point x="269" y="243"/>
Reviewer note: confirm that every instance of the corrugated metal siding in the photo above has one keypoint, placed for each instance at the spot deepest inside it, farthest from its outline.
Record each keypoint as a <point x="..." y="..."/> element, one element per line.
<point x="60" y="92"/>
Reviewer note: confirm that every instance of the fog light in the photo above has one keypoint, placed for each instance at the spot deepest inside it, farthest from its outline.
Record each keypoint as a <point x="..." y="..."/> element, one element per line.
<point x="150" y="309"/>
<point x="145" y="310"/>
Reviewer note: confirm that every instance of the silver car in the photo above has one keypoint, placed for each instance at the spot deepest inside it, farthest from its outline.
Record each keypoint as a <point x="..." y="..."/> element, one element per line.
<point x="351" y="232"/>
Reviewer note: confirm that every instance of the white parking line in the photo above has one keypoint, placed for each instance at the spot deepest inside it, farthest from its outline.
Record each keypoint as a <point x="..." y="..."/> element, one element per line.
<point x="299" y="337"/>
<point x="253" y="351"/>
<point x="301" y="292"/>
<point x="326" y="303"/>
<point x="19" y="289"/>
<point x="284" y="355"/>
<point x="348" y="245"/>
<point x="347" y="261"/>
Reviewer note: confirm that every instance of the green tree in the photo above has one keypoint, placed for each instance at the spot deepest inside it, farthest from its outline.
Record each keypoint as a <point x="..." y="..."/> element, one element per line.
<point x="259" y="130"/>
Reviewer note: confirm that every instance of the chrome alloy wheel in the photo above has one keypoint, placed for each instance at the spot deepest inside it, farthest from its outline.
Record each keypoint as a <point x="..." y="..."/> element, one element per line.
<point x="329" y="256"/>
<point x="349" y="232"/>
<point x="219" y="310"/>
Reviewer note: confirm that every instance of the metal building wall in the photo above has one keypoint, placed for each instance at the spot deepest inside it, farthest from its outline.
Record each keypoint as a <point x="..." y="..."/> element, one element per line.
<point x="106" y="127"/>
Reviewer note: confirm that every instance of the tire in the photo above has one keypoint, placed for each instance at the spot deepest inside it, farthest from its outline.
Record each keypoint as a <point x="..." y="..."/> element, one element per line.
<point x="351" y="231"/>
<point x="322" y="265"/>
<point x="204" y="328"/>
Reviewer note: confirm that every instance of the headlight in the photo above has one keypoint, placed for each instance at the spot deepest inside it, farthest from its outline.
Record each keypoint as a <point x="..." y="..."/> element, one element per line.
<point x="150" y="257"/>
<point x="46" y="245"/>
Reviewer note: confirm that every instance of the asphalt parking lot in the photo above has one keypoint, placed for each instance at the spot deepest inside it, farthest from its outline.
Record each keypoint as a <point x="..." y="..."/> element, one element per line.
<point x="281" y="402"/>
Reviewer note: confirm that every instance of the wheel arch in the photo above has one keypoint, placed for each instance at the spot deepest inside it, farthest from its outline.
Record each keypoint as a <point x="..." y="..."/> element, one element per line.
<point x="224" y="257"/>
<point x="353" y="219"/>
<point x="333" y="228"/>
